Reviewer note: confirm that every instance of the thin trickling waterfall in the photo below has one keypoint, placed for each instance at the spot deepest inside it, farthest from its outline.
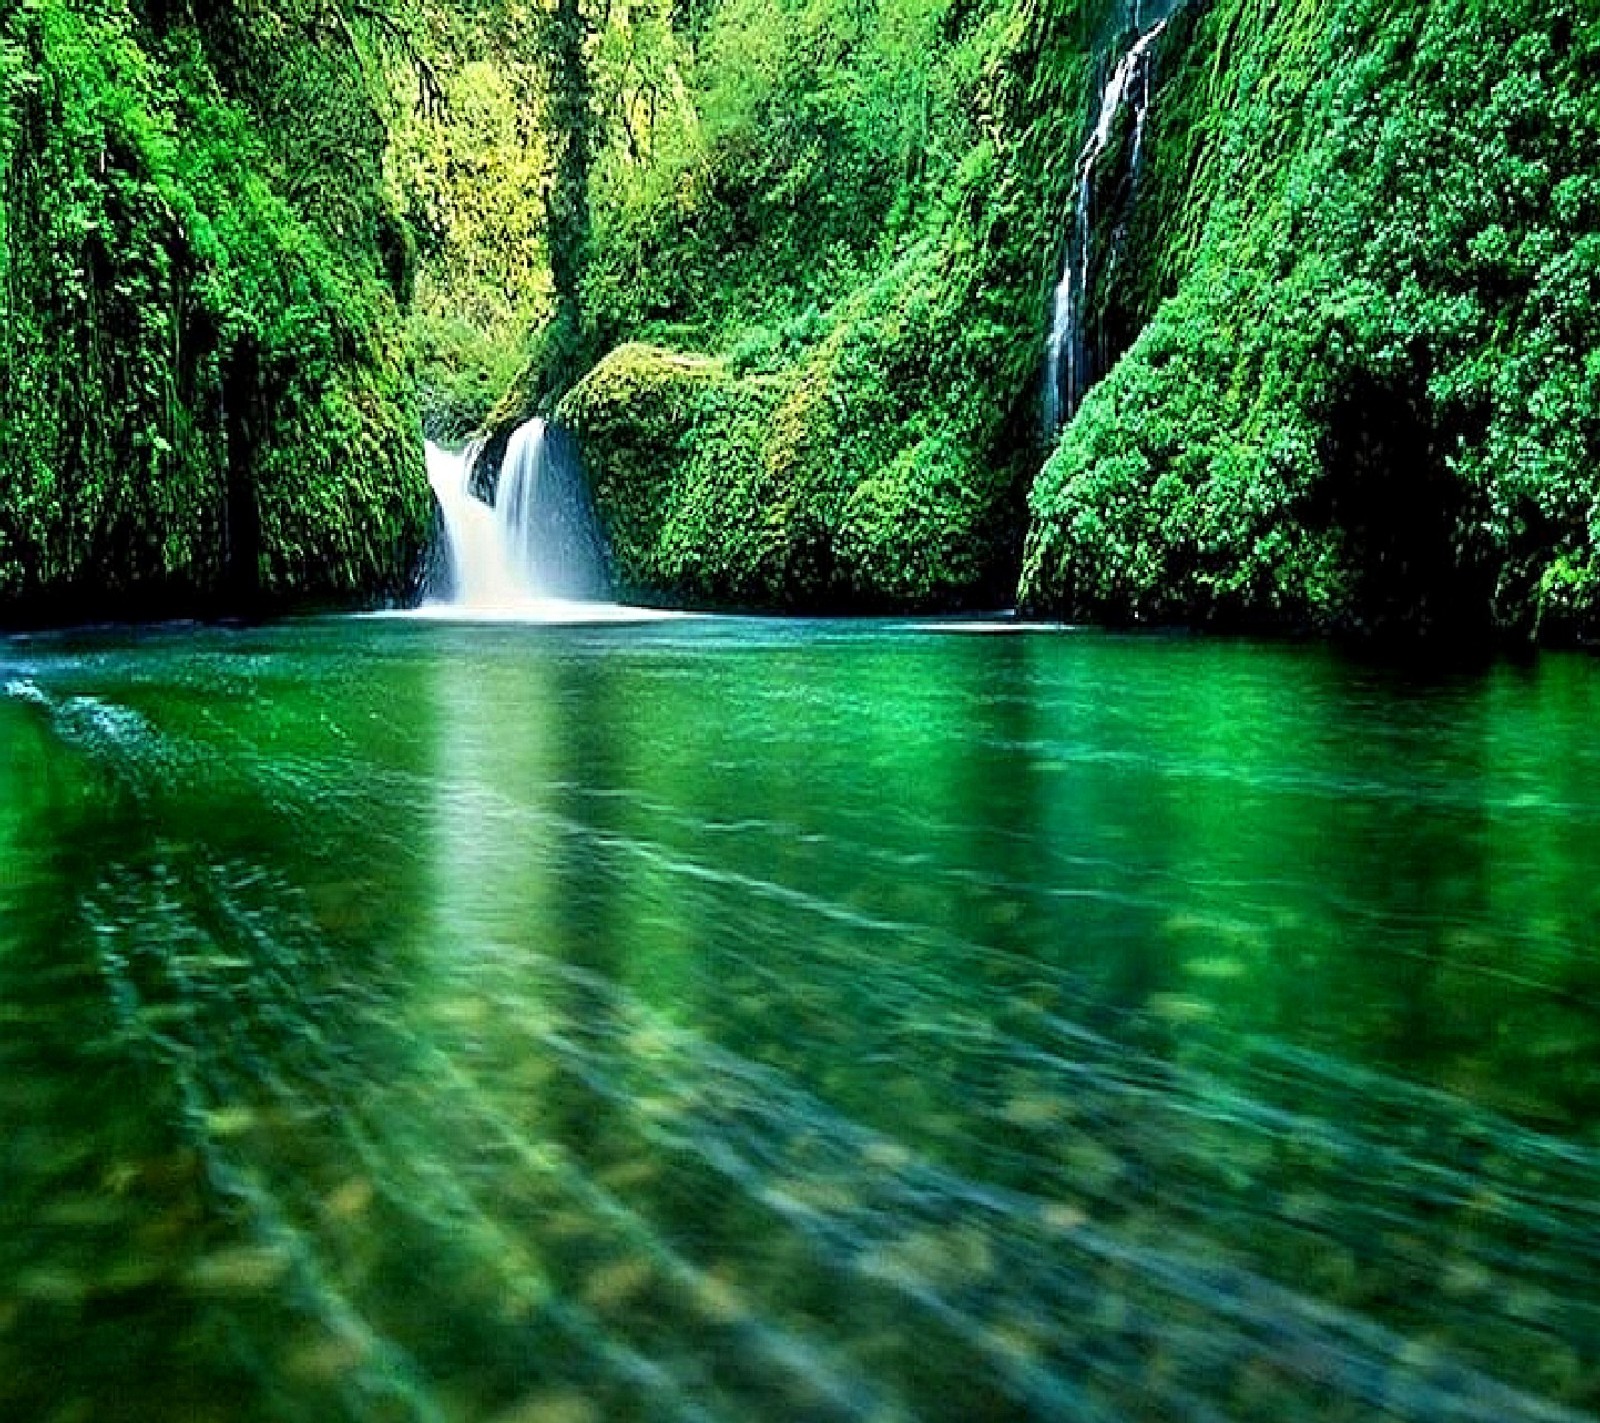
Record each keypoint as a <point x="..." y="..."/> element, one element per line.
<point x="1069" y="357"/>
<point x="539" y="541"/>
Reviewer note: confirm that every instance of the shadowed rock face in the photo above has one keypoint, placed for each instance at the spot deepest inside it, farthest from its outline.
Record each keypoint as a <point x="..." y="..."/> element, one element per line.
<point x="1403" y="521"/>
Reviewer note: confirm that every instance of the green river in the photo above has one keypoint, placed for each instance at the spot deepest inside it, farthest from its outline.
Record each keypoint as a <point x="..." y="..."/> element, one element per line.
<point x="721" y="1019"/>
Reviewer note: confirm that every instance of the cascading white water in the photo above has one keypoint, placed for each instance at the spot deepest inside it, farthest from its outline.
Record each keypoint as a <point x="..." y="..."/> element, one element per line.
<point x="480" y="571"/>
<point x="536" y="549"/>
<point x="1067" y="365"/>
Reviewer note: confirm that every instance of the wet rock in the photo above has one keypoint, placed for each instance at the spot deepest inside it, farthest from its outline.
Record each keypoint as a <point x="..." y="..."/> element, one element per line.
<point x="1530" y="1303"/>
<point x="937" y="1258"/>
<point x="228" y="1122"/>
<point x="658" y="1109"/>
<point x="630" y="1175"/>
<point x="1062" y="1217"/>
<point x="1090" y="1165"/>
<point x="1180" y="1008"/>
<point x="567" y="1225"/>
<point x="1036" y="1112"/>
<point x="718" y="1300"/>
<point x="1219" y="968"/>
<point x="886" y="1155"/>
<point x="1461" y="1278"/>
<point x="327" y="1359"/>
<point x="466" y="1012"/>
<point x="350" y="1201"/>
<point x="822" y="1197"/>
<point x="1019" y="1340"/>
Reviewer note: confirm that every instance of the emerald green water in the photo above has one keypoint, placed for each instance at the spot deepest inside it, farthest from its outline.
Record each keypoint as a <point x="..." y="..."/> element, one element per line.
<point x="745" y="1020"/>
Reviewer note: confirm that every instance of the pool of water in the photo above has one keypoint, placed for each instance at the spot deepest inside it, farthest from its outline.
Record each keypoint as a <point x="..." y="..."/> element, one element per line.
<point x="720" y="1019"/>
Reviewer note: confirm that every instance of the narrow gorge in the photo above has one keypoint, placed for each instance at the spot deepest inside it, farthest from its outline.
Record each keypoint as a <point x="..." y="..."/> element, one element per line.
<point x="799" y="711"/>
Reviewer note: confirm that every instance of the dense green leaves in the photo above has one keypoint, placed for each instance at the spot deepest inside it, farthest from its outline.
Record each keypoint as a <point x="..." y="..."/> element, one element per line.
<point x="203" y="400"/>
<point x="855" y="210"/>
<point x="1362" y="253"/>
<point x="1370" y="403"/>
<point x="1357" y="284"/>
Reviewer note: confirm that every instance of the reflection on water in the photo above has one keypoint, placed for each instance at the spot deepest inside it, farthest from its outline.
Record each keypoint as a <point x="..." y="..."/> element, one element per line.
<point x="721" y="1020"/>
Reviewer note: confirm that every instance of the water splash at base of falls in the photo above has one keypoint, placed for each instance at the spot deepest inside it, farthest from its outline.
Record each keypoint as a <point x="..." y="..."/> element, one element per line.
<point x="536" y="553"/>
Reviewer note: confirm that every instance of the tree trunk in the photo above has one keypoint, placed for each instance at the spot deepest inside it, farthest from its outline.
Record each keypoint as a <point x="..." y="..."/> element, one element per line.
<point x="567" y="197"/>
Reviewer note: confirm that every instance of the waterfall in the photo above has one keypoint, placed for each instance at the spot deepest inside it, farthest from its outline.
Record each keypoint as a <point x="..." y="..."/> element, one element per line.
<point x="537" y="544"/>
<point x="1069" y="358"/>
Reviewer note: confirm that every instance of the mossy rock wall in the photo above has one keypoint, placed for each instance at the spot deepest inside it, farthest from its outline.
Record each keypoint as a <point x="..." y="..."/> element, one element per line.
<point x="205" y="405"/>
<point x="801" y="492"/>
<point x="1347" y="315"/>
<point x="861" y="439"/>
<point x="672" y="445"/>
<point x="1369" y="398"/>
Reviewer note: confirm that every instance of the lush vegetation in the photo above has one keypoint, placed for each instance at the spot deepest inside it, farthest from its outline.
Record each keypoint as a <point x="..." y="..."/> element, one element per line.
<point x="205" y="401"/>
<point x="844" y="219"/>
<point x="785" y="266"/>
<point x="1355" y="271"/>
<point x="469" y="175"/>
<point x="1373" y="401"/>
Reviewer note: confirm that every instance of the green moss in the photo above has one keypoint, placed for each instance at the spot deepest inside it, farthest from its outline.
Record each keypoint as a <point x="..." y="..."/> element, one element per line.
<point x="1357" y="294"/>
<point x="863" y="225"/>
<point x="846" y="481"/>
<point x="204" y="404"/>
<point x="672" y="444"/>
<point x="1367" y="400"/>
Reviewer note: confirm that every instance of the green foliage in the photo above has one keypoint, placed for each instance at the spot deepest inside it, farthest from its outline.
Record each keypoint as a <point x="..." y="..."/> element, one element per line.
<point x="756" y="491"/>
<point x="203" y="401"/>
<point x="470" y="178"/>
<point x="856" y="208"/>
<point x="1364" y="262"/>
<point x="673" y="446"/>
<point x="852" y="478"/>
<point x="1363" y="274"/>
<point x="1372" y="402"/>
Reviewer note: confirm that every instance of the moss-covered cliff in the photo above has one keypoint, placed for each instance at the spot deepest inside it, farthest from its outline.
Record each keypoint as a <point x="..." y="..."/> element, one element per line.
<point x="1372" y="400"/>
<point x="1346" y="309"/>
<point x="204" y="399"/>
<point x="868" y="473"/>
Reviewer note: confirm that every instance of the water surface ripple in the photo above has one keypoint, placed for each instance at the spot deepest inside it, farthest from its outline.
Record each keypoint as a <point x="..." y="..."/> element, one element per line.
<point x="739" y="1020"/>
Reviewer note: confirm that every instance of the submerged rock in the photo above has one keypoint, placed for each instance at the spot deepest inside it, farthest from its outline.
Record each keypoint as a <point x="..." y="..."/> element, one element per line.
<point x="553" y="1405"/>
<point x="240" y="1270"/>
<point x="351" y="1200"/>
<point x="619" y="1283"/>
<point x="327" y="1359"/>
